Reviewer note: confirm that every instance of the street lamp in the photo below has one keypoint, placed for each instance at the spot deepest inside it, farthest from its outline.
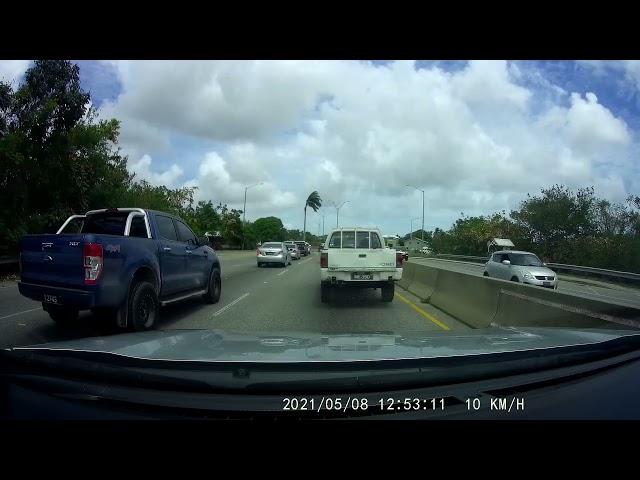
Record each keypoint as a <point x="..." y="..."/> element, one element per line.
<point x="244" y="210"/>
<point x="338" y="207"/>
<point x="411" y="186"/>
<point x="411" y="231"/>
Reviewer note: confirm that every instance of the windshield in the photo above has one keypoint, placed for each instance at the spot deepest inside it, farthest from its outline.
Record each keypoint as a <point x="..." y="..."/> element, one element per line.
<point x="525" y="259"/>
<point x="419" y="177"/>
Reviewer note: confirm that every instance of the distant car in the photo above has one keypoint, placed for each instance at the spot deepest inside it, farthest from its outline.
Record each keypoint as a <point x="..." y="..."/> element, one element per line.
<point x="273" y="252"/>
<point x="303" y="248"/>
<point x="523" y="267"/>
<point x="425" y="251"/>
<point x="293" y="249"/>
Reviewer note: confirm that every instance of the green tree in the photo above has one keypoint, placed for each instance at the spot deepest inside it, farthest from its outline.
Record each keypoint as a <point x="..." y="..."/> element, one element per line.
<point x="268" y="229"/>
<point x="313" y="201"/>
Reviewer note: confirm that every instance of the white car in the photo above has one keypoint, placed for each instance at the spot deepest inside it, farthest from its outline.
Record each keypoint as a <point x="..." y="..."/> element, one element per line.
<point x="425" y="251"/>
<point x="356" y="257"/>
<point x="523" y="267"/>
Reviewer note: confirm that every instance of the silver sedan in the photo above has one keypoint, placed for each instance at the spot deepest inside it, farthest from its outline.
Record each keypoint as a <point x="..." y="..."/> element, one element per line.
<point x="293" y="250"/>
<point x="273" y="252"/>
<point x="523" y="267"/>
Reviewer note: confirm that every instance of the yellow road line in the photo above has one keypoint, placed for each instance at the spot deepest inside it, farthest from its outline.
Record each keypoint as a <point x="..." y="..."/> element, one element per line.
<point x="422" y="312"/>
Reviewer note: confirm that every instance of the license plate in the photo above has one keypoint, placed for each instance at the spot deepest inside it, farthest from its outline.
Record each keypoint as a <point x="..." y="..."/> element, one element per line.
<point x="362" y="276"/>
<point x="546" y="284"/>
<point x="52" y="299"/>
<point x="269" y="253"/>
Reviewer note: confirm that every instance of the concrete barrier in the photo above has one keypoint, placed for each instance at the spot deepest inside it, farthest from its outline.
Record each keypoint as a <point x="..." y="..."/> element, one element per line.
<point x="480" y="302"/>
<point x="466" y="297"/>
<point x="424" y="282"/>
<point x="408" y="272"/>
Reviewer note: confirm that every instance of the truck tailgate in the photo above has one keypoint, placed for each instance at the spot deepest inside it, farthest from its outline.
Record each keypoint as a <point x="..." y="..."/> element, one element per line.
<point x="52" y="260"/>
<point x="349" y="259"/>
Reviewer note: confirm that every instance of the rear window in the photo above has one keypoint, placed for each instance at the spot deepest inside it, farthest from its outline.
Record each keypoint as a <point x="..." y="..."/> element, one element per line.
<point x="362" y="239"/>
<point x="271" y="245"/>
<point x="105" y="223"/>
<point x="334" y="242"/>
<point x="348" y="239"/>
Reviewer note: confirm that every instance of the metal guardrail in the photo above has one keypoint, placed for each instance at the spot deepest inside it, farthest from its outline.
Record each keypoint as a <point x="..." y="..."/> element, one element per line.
<point x="614" y="274"/>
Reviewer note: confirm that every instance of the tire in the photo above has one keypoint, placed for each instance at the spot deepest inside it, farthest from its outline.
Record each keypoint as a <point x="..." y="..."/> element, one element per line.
<point x="485" y="274"/>
<point x="144" y="307"/>
<point x="325" y="292"/>
<point x="65" y="317"/>
<point x="388" y="292"/>
<point x="515" y="279"/>
<point x="214" y="289"/>
<point x="259" y="265"/>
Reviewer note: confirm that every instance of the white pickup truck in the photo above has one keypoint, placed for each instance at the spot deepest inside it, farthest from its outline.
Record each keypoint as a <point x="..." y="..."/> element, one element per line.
<point x="357" y="257"/>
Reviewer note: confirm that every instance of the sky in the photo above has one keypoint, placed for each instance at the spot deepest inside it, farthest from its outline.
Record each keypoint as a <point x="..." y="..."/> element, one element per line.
<point x="476" y="136"/>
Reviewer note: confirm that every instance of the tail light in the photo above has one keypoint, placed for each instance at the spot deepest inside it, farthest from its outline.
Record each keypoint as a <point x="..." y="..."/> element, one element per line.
<point x="399" y="260"/>
<point x="20" y="265"/>
<point x="279" y="252"/>
<point x="258" y="252"/>
<point x="93" y="262"/>
<point x="324" y="260"/>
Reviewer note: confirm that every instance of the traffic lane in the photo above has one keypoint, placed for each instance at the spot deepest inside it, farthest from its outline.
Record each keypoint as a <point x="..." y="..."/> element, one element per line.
<point x="617" y="294"/>
<point x="11" y="302"/>
<point x="25" y="323"/>
<point x="238" y="284"/>
<point x="290" y="302"/>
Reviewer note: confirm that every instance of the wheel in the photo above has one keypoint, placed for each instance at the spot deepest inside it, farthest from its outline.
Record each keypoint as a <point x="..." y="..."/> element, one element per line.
<point x="387" y="292"/>
<point x="485" y="274"/>
<point x="214" y="289"/>
<point x="325" y="292"/>
<point x="63" y="316"/>
<point x="144" y="308"/>
<point x="515" y="279"/>
<point x="259" y="265"/>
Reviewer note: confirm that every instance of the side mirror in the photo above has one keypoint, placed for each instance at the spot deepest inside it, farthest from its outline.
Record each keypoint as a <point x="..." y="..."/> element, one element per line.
<point x="506" y="262"/>
<point x="203" y="241"/>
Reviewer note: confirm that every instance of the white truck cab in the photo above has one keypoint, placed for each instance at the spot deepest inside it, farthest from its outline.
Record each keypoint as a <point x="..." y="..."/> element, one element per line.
<point x="357" y="257"/>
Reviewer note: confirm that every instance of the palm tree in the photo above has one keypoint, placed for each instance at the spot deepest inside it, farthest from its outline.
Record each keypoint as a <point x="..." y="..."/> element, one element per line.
<point x="314" y="201"/>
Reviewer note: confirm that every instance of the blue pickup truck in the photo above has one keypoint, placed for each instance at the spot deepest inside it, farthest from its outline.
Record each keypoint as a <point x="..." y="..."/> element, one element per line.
<point x="122" y="264"/>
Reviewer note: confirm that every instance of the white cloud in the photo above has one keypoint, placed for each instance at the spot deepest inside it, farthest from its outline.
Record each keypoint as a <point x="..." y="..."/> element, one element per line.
<point x="353" y="131"/>
<point x="12" y="70"/>
<point x="142" y="169"/>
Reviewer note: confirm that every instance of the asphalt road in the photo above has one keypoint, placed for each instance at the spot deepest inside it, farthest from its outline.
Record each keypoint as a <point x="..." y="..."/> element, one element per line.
<point x="597" y="290"/>
<point x="271" y="299"/>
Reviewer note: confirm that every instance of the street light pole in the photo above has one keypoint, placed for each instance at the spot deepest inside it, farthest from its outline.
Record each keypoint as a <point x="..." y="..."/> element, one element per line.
<point x="420" y="190"/>
<point x="338" y="207"/>
<point x="244" y="210"/>
<point x="411" y="234"/>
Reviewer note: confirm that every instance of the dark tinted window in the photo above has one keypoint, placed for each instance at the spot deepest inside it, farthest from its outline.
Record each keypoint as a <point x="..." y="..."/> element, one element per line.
<point x="349" y="239"/>
<point x="186" y="235"/>
<point x="525" y="259"/>
<point x="362" y="239"/>
<point x="105" y="223"/>
<point x="375" y="241"/>
<point x="335" y="240"/>
<point x="167" y="230"/>
<point x="138" y="228"/>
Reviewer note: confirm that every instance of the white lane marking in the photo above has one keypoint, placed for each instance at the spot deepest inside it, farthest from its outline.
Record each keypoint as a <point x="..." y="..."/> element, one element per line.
<point x="224" y="309"/>
<point x="20" y="313"/>
<point x="281" y="273"/>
